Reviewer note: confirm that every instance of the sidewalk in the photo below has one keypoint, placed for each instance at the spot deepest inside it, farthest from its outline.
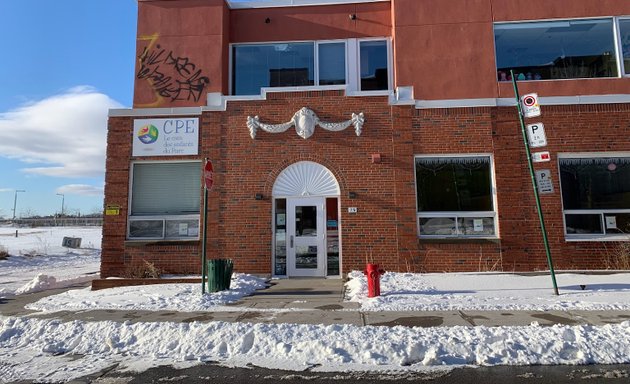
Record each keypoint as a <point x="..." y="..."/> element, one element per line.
<point x="318" y="301"/>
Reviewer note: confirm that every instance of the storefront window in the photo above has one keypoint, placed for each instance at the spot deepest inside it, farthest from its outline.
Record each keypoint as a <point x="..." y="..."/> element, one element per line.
<point x="165" y="200"/>
<point x="564" y="49"/>
<point x="455" y="196"/>
<point x="332" y="236"/>
<point x="595" y="196"/>
<point x="280" y="223"/>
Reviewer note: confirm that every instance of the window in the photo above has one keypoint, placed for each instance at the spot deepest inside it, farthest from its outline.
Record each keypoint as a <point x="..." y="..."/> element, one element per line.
<point x="272" y="65"/>
<point x="624" y="41"/>
<point x="165" y="201"/>
<point x="455" y="196"/>
<point x="373" y="64"/>
<point x="569" y="49"/>
<point x="595" y="196"/>
<point x="332" y="63"/>
<point x="315" y="63"/>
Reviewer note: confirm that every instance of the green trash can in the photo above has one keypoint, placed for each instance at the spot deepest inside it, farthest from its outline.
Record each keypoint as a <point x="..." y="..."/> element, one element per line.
<point x="219" y="274"/>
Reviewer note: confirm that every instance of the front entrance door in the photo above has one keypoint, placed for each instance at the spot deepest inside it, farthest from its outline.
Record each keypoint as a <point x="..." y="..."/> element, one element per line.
<point x="306" y="251"/>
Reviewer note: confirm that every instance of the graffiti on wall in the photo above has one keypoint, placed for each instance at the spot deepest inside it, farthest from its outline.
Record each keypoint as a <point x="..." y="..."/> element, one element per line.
<point x="171" y="76"/>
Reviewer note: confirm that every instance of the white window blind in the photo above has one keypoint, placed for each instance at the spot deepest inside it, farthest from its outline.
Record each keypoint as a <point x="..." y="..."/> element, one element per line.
<point x="166" y="188"/>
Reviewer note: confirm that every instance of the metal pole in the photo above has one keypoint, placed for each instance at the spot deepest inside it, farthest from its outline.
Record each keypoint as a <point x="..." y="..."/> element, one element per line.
<point x="205" y="232"/>
<point x="534" y="184"/>
<point x="15" y="202"/>
<point x="63" y="199"/>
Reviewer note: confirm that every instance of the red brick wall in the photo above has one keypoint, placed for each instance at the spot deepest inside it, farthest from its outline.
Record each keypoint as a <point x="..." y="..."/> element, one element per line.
<point x="385" y="226"/>
<point x="587" y="128"/>
<point x="247" y="167"/>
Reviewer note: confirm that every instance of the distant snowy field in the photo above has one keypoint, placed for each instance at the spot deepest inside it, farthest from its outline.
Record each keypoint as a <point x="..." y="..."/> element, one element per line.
<point x="38" y="251"/>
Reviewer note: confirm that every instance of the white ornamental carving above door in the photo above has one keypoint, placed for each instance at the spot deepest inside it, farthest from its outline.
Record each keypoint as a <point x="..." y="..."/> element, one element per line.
<point x="305" y="121"/>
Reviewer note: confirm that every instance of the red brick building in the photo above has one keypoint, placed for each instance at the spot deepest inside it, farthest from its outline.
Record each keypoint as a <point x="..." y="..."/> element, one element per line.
<point x="345" y="131"/>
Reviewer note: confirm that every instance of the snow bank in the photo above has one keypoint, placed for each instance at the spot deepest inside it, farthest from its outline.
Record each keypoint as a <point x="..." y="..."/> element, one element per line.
<point x="492" y="292"/>
<point x="159" y="297"/>
<point x="44" y="282"/>
<point x="96" y="345"/>
<point x="38" y="251"/>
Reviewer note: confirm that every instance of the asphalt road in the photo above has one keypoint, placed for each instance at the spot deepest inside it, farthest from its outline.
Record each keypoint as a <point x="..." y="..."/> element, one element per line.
<point x="214" y="374"/>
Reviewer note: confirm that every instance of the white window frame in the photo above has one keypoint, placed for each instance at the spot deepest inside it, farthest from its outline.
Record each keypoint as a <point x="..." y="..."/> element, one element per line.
<point x="616" y="38"/>
<point x="459" y="214"/>
<point x="621" y="65"/>
<point x="570" y="237"/>
<point x="352" y="70"/>
<point x="390" y="66"/>
<point x="316" y="56"/>
<point x="162" y="218"/>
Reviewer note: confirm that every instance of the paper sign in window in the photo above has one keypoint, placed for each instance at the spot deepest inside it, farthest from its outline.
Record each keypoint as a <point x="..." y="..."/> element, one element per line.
<point x="611" y="222"/>
<point x="183" y="229"/>
<point x="478" y="225"/>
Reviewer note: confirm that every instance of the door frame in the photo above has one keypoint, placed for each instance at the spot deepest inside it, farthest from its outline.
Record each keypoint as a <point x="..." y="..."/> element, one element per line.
<point x="319" y="240"/>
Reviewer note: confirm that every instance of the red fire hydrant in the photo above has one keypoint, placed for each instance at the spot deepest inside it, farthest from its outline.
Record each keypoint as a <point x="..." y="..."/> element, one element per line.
<point x="373" y="273"/>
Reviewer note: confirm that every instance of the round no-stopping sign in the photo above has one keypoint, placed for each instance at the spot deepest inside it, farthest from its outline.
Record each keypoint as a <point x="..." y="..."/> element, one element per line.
<point x="208" y="174"/>
<point x="529" y="100"/>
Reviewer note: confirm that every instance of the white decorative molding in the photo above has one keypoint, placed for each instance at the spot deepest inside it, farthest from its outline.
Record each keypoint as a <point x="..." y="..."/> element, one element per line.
<point x="305" y="121"/>
<point x="305" y="178"/>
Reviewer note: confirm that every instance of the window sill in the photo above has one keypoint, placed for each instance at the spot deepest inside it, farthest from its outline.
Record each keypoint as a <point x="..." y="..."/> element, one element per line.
<point x="143" y="242"/>
<point x="458" y="240"/>
<point x="597" y="238"/>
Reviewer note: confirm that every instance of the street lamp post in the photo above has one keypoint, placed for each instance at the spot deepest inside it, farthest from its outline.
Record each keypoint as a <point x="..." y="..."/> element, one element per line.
<point x="15" y="202"/>
<point x="63" y="198"/>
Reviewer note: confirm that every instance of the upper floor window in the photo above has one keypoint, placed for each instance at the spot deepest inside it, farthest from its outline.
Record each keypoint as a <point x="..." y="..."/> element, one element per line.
<point x="313" y="63"/>
<point x="624" y="41"/>
<point x="374" y="76"/>
<point x="568" y="49"/>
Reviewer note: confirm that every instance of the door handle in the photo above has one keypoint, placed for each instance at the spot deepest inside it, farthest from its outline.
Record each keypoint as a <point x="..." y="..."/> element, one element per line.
<point x="291" y="241"/>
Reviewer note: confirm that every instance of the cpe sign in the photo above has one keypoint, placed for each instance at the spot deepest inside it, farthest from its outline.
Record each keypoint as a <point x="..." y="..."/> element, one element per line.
<point x="530" y="105"/>
<point x="536" y="135"/>
<point x="165" y="137"/>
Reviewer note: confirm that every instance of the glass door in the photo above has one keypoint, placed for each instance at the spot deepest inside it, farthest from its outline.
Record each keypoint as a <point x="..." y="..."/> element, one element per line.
<point x="306" y="251"/>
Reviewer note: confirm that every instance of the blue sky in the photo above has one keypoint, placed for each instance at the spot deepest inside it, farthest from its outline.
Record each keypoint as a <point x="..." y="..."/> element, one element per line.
<point x="64" y="64"/>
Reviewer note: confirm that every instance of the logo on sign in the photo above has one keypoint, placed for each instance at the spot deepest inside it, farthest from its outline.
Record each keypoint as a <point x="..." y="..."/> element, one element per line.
<point x="540" y="157"/>
<point x="536" y="135"/>
<point x="530" y="105"/>
<point x="148" y="134"/>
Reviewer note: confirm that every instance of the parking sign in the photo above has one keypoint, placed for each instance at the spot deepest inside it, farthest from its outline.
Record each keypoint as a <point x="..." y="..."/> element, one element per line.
<point x="543" y="181"/>
<point x="536" y="135"/>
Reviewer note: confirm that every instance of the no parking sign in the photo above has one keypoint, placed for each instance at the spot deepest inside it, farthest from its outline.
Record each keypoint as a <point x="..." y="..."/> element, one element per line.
<point x="530" y="105"/>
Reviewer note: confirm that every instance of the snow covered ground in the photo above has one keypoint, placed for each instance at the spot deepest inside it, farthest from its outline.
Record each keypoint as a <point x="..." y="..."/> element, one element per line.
<point x="493" y="292"/>
<point x="51" y="350"/>
<point x="38" y="251"/>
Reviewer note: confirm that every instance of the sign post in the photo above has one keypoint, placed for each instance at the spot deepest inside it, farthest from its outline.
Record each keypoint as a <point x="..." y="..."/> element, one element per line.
<point x="208" y="177"/>
<point x="528" y="107"/>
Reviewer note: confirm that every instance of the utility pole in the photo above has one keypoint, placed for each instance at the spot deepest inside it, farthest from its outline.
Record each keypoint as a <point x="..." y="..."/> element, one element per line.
<point x="15" y="202"/>
<point x="63" y="198"/>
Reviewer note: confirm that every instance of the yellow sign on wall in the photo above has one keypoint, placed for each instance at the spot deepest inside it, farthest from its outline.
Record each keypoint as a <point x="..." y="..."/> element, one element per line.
<point x="112" y="210"/>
